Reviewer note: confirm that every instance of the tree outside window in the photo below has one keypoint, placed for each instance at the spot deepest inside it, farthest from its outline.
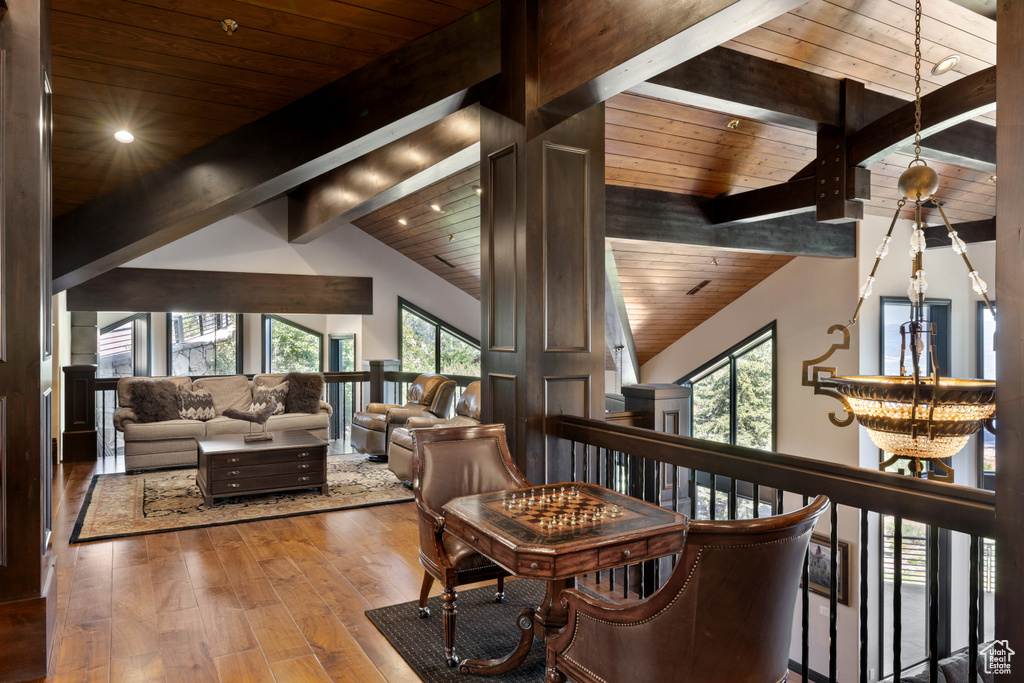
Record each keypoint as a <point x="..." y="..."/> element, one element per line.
<point x="204" y="344"/>
<point x="290" y="347"/>
<point x="430" y="345"/>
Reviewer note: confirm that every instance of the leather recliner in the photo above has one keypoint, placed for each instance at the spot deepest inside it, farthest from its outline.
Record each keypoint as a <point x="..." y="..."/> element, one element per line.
<point x="467" y="414"/>
<point x="428" y="396"/>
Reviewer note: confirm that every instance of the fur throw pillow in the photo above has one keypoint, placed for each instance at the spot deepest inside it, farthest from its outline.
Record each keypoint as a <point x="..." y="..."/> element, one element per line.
<point x="196" y="405"/>
<point x="263" y="395"/>
<point x="154" y="400"/>
<point x="304" y="389"/>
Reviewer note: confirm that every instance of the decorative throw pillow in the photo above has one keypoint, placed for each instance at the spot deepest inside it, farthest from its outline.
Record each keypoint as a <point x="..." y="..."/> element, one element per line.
<point x="196" y="405"/>
<point x="262" y="395"/>
<point x="154" y="400"/>
<point x="304" y="389"/>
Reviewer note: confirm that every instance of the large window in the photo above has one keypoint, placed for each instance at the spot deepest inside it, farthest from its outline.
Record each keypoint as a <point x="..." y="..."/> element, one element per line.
<point x="986" y="345"/>
<point x="204" y="344"/>
<point x="124" y="348"/>
<point x="429" y="344"/>
<point x="290" y="347"/>
<point x="733" y="399"/>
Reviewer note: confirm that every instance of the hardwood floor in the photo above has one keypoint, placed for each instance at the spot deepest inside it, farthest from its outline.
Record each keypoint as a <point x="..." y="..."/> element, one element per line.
<point x="280" y="600"/>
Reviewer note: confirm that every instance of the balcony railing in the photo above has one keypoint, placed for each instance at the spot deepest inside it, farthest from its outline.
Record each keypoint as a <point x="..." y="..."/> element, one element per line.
<point x="671" y="470"/>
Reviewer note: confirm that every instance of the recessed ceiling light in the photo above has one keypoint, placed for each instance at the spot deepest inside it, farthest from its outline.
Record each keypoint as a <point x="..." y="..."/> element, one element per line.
<point x="403" y="221"/>
<point x="991" y="178"/>
<point x="734" y="124"/>
<point x="123" y="136"/>
<point x="479" y="190"/>
<point x="435" y="207"/>
<point x="944" y="65"/>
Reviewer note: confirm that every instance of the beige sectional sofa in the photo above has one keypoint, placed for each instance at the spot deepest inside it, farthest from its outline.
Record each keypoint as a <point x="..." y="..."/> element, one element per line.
<point x="172" y="443"/>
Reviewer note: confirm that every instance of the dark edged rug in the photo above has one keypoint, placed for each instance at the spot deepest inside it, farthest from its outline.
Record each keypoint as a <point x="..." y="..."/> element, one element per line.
<point x="484" y="630"/>
<point x="118" y="505"/>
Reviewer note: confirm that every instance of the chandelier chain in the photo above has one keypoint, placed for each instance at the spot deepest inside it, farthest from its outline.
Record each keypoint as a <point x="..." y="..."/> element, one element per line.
<point x="917" y="80"/>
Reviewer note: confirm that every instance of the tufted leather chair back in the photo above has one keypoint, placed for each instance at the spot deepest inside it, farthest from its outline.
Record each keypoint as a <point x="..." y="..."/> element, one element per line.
<point x="432" y="392"/>
<point x="469" y="403"/>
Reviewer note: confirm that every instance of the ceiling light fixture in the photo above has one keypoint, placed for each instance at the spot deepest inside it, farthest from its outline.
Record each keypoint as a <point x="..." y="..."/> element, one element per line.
<point x="944" y="65"/>
<point x="403" y="221"/>
<point x="479" y="190"/>
<point x="436" y="207"/>
<point x="124" y="136"/>
<point x="229" y="26"/>
<point x="991" y="178"/>
<point x="918" y="415"/>
<point x="734" y="124"/>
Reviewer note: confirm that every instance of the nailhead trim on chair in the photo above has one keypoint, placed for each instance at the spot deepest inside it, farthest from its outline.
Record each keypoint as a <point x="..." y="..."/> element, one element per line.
<point x="696" y="564"/>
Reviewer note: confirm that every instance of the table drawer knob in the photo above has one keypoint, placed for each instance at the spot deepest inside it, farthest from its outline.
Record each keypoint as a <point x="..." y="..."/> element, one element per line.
<point x="473" y="539"/>
<point x="533" y="565"/>
<point x="233" y="459"/>
<point x="304" y="466"/>
<point x="234" y="473"/>
<point x="303" y="478"/>
<point x="233" y="485"/>
<point x="625" y="553"/>
<point x="302" y="455"/>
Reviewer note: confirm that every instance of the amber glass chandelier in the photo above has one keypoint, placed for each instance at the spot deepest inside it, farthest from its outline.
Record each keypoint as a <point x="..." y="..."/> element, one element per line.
<point x="917" y="415"/>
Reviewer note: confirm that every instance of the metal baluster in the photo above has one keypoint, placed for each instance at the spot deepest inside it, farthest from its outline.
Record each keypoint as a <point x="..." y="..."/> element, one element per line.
<point x="733" y="485"/>
<point x="863" y="596"/>
<point x="932" y="544"/>
<point x="586" y="464"/>
<point x="805" y="612"/>
<point x="572" y="461"/>
<point x="757" y="501"/>
<point x="691" y="490"/>
<point x="897" y="601"/>
<point x="972" y="620"/>
<point x="713" y="504"/>
<point x="833" y="602"/>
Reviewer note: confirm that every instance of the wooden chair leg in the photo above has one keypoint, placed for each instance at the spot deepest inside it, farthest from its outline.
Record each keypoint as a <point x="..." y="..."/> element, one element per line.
<point x="500" y="595"/>
<point x="448" y="625"/>
<point x="428" y="581"/>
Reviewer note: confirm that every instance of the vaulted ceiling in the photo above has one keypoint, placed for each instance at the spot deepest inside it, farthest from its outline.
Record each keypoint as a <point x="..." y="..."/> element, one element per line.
<point x="170" y="72"/>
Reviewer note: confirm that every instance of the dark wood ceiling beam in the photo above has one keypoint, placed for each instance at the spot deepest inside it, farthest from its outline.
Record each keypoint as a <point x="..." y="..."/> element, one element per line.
<point x="626" y="43"/>
<point x="145" y="289"/>
<point x="971" y="232"/>
<point x="830" y="202"/>
<point x="655" y="216"/>
<point x="403" y="91"/>
<point x="374" y="180"/>
<point x="744" y="85"/>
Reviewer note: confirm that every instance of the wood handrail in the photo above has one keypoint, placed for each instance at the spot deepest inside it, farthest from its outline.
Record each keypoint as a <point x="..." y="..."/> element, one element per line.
<point x="110" y="383"/>
<point x="460" y="380"/>
<point x="958" y="508"/>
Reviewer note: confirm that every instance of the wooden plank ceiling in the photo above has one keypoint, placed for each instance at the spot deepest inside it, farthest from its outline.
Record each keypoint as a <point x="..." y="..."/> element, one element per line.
<point x="170" y="71"/>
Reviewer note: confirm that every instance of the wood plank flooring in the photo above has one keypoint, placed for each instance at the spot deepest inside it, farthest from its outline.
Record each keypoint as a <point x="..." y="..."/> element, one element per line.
<point x="280" y="600"/>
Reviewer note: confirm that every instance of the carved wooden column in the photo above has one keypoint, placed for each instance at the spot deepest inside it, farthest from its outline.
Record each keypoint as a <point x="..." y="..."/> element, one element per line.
<point x="542" y="257"/>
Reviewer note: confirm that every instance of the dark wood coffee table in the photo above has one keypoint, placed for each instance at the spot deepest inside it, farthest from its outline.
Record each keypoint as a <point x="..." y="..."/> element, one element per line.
<point x="228" y="466"/>
<point x="556" y="532"/>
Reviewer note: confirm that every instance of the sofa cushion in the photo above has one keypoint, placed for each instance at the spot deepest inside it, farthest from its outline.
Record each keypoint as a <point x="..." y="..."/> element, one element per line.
<point x="304" y="389"/>
<point x="262" y="395"/>
<point x="124" y="400"/>
<point x="228" y="392"/>
<point x="268" y="379"/>
<point x="154" y="400"/>
<point x="195" y="405"/>
<point x="226" y="425"/>
<point x="289" y="421"/>
<point x="167" y="429"/>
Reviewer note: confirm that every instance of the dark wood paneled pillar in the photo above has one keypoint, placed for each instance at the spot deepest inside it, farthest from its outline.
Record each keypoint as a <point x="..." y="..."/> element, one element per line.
<point x="1010" y="293"/>
<point x="27" y="577"/>
<point x="79" y="436"/>
<point x="542" y="258"/>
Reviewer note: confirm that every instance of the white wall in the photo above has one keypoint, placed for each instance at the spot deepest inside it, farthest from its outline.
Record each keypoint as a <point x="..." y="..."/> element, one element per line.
<point x="256" y="241"/>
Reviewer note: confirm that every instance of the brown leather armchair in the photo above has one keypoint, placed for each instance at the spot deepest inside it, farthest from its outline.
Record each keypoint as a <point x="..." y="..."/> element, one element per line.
<point x="428" y="396"/>
<point x="467" y="414"/>
<point x="451" y="462"/>
<point x="725" y="614"/>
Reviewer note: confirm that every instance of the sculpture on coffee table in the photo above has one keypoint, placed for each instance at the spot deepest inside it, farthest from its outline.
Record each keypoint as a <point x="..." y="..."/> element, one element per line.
<point x="259" y="417"/>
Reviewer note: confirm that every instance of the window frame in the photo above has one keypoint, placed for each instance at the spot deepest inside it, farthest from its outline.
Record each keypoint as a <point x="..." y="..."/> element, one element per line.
<point x="239" y="340"/>
<point x="266" y="323"/>
<point x="943" y="343"/>
<point x="138" y="320"/>
<point x="439" y="326"/>
<point x="985" y="480"/>
<point x="729" y="357"/>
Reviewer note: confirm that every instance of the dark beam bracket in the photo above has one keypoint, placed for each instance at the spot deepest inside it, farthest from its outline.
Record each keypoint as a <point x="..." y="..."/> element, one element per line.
<point x="656" y="216"/>
<point x="146" y="289"/>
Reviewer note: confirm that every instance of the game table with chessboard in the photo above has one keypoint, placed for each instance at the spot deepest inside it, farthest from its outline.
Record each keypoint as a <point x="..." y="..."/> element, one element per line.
<point x="556" y="532"/>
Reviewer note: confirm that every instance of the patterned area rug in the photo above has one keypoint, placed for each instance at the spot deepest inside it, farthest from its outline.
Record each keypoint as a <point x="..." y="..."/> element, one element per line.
<point x="484" y="630"/>
<point x="131" y="504"/>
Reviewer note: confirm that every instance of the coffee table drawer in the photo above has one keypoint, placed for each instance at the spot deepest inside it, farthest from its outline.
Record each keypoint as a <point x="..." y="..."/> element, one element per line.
<point x="296" y="455"/>
<point x="270" y="469"/>
<point x="278" y="481"/>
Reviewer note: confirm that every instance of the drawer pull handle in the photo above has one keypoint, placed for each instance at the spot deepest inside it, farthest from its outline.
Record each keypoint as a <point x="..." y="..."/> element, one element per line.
<point x="303" y="478"/>
<point x="533" y="565"/>
<point x="303" y="455"/>
<point x="233" y="459"/>
<point x="473" y="539"/>
<point x="233" y="473"/>
<point x="625" y="553"/>
<point x="304" y="466"/>
<point x="233" y="485"/>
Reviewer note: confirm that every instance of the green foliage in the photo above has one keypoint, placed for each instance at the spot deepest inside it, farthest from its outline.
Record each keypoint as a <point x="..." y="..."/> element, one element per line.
<point x="711" y="401"/>
<point x="419" y="348"/>
<point x="711" y="406"/>
<point x="226" y="356"/>
<point x="293" y="349"/>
